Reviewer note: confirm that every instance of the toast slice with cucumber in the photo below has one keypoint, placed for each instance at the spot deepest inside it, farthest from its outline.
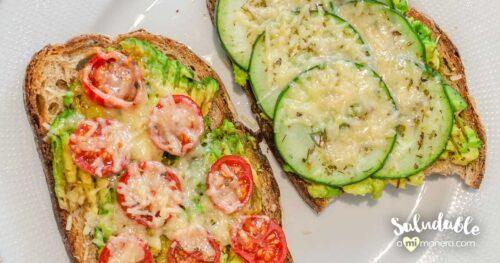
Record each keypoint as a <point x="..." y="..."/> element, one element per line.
<point x="450" y="138"/>
<point x="90" y="199"/>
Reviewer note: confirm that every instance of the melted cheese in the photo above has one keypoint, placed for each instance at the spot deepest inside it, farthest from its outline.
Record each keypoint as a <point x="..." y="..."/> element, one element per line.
<point x="246" y="20"/>
<point x="142" y="148"/>
<point x="125" y="248"/>
<point x="224" y="189"/>
<point x="392" y="52"/>
<point x="113" y="139"/>
<point x="254" y="14"/>
<point x="118" y="221"/>
<point x="296" y="41"/>
<point x="147" y="193"/>
<point x="349" y="115"/>
<point x="117" y="80"/>
<point x="422" y="123"/>
<point x="191" y="171"/>
<point x="136" y="121"/>
<point x="383" y="35"/>
<point x="173" y="121"/>
<point x="405" y="87"/>
<point x="194" y="238"/>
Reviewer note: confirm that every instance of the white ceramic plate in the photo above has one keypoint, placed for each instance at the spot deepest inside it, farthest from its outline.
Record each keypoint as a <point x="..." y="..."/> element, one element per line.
<point x="350" y="230"/>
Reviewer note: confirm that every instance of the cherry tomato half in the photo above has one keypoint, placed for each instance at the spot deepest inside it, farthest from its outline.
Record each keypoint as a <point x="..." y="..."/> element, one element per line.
<point x="230" y="183"/>
<point x="100" y="146"/>
<point x="113" y="80"/>
<point x="176" y="124"/>
<point x="125" y="248"/>
<point x="150" y="193"/>
<point x="193" y="245"/>
<point x="257" y="238"/>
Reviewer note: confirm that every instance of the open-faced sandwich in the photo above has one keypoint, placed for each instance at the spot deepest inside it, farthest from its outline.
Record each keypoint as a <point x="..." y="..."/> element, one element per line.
<point x="353" y="95"/>
<point x="144" y="157"/>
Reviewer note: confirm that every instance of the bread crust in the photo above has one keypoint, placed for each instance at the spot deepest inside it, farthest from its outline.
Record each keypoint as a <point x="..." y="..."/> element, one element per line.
<point x="471" y="174"/>
<point x="76" y="243"/>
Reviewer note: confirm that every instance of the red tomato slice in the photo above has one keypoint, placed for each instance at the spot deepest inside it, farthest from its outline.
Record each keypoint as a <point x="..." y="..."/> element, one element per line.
<point x="100" y="146"/>
<point x="150" y="193"/>
<point x="125" y="248"/>
<point x="230" y="183"/>
<point x="112" y="80"/>
<point x="194" y="245"/>
<point x="176" y="124"/>
<point x="257" y="238"/>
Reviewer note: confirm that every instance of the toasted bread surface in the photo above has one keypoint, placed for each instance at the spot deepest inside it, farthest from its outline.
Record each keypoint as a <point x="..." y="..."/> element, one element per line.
<point x="471" y="174"/>
<point x="44" y="69"/>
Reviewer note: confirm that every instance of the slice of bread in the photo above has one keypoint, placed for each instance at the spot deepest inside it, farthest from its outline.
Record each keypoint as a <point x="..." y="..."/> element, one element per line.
<point x="471" y="174"/>
<point x="46" y="69"/>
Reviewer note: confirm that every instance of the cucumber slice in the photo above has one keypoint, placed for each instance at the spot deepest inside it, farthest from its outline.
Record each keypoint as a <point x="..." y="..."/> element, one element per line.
<point x="294" y="42"/>
<point x="386" y="30"/>
<point x="240" y="22"/>
<point x="341" y="2"/>
<point x="336" y="123"/>
<point x="426" y="120"/>
<point x="386" y="2"/>
<point x="234" y="39"/>
<point x="424" y="108"/>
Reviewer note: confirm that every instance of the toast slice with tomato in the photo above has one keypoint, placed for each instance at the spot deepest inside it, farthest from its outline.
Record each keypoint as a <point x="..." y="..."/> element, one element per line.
<point x="144" y="156"/>
<point x="467" y="125"/>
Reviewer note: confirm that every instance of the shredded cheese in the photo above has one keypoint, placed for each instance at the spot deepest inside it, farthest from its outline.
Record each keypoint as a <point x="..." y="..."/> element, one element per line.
<point x="350" y="116"/>
<point x="391" y="53"/>
<point x="191" y="171"/>
<point x="113" y="139"/>
<point x="69" y="222"/>
<point x="172" y="121"/>
<point x="194" y="238"/>
<point x="456" y="77"/>
<point x="148" y="194"/>
<point x="244" y="21"/>
<point x="225" y="189"/>
<point x="296" y="41"/>
<point x="396" y="51"/>
<point x="125" y="248"/>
